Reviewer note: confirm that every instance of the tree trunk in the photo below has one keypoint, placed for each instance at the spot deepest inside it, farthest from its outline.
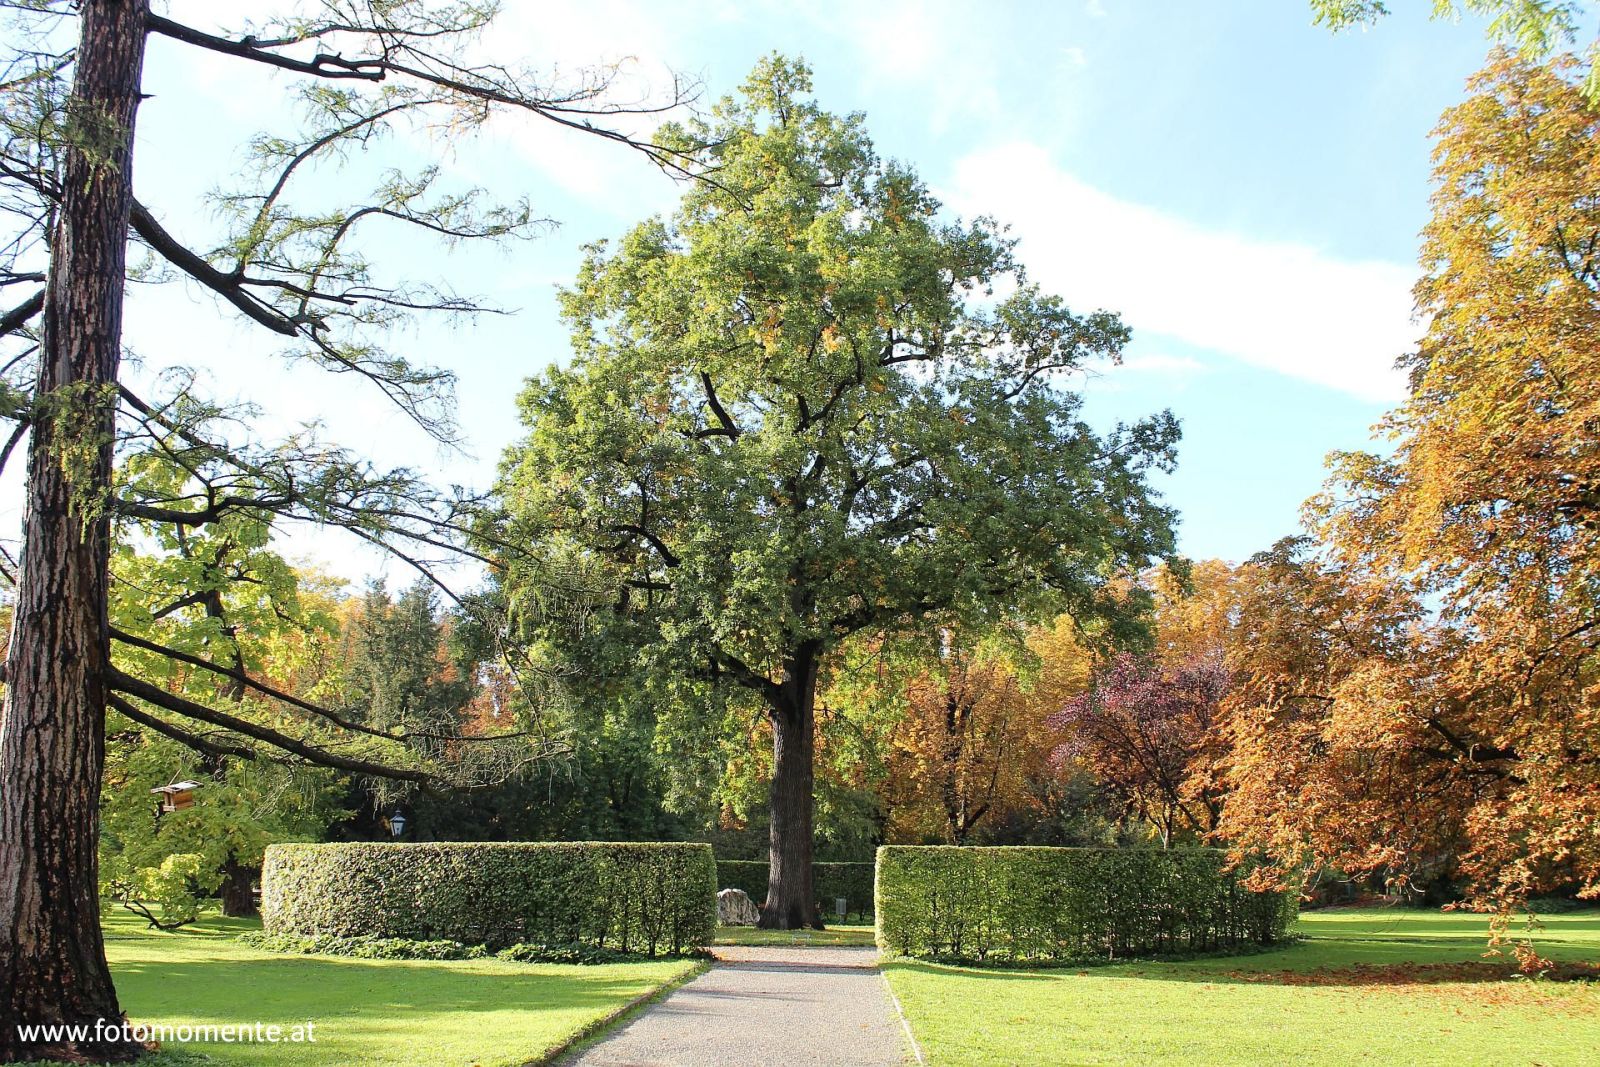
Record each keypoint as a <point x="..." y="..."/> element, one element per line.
<point x="52" y="724"/>
<point x="791" y="902"/>
<point x="238" y="889"/>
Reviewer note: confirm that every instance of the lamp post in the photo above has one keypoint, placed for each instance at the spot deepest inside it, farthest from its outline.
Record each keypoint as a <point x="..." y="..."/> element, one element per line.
<point x="397" y="824"/>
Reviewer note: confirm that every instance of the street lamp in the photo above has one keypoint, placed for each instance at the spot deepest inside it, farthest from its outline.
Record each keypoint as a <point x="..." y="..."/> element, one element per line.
<point x="397" y="823"/>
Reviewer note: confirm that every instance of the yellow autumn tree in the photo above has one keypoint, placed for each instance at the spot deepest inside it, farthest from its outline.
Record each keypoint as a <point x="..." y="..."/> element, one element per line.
<point x="1421" y="691"/>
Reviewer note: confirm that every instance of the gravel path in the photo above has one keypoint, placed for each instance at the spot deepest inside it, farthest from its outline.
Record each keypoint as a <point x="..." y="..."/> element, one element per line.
<point x="765" y="1005"/>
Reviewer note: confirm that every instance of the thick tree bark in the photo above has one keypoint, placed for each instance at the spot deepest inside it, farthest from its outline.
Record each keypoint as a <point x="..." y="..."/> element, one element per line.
<point x="52" y="725"/>
<point x="791" y="902"/>
<point x="238" y="889"/>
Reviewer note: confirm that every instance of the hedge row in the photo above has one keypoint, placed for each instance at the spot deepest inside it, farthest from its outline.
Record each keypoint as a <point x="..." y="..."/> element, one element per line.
<point x="1014" y="904"/>
<point x="631" y="898"/>
<point x="829" y="882"/>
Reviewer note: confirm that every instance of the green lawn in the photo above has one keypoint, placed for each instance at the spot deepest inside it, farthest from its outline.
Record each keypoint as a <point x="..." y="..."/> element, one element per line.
<point x="833" y="935"/>
<point x="375" y="1012"/>
<point x="1366" y="987"/>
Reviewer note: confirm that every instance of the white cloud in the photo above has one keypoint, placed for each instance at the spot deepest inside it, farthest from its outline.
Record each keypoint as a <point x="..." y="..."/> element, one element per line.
<point x="1162" y="363"/>
<point x="1286" y="307"/>
<point x="1075" y="56"/>
<point x="1095" y="9"/>
<point x="945" y="48"/>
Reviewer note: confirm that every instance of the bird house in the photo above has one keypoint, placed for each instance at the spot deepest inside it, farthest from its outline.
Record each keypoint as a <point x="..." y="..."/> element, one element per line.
<point x="177" y="796"/>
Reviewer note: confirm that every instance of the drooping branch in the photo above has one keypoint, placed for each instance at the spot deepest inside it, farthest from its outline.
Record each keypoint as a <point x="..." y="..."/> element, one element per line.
<point x="374" y="507"/>
<point x="152" y="694"/>
<point x="343" y="722"/>
<point x="401" y="53"/>
<point x="228" y="286"/>
<point x="322" y="65"/>
<point x="204" y="745"/>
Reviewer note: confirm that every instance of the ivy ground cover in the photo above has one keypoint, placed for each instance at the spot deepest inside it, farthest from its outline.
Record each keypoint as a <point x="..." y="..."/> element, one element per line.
<point x="1364" y="987"/>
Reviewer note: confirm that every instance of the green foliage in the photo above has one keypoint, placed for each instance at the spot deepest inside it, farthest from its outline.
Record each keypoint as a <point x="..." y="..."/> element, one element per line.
<point x="221" y="593"/>
<point x="366" y="948"/>
<point x="1019" y="905"/>
<point x="612" y="778"/>
<point x="644" y="899"/>
<point x="584" y="954"/>
<point x="853" y="881"/>
<point x="237" y="812"/>
<point x="807" y="406"/>
<point x="399" y="669"/>
<point x="1537" y="26"/>
<point x="401" y="948"/>
<point x="172" y="893"/>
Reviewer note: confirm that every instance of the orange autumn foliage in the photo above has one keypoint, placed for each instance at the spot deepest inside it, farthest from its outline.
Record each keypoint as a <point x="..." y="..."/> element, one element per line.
<point x="972" y="743"/>
<point x="1421" y="695"/>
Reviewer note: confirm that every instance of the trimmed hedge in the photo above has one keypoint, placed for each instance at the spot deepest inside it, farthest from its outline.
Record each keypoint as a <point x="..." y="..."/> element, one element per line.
<point x="644" y="899"/>
<point x="829" y="881"/>
<point x="1023" y="904"/>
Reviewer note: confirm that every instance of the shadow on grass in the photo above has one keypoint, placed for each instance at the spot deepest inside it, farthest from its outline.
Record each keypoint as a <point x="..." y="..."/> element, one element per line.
<point x="118" y="924"/>
<point x="211" y="978"/>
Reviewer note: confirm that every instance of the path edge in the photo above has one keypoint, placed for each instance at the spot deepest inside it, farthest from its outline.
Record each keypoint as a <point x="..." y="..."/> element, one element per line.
<point x="596" y="1027"/>
<point x="905" y="1024"/>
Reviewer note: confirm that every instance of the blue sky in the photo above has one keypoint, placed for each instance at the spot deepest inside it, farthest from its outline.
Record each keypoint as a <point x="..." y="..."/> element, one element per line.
<point x="1243" y="186"/>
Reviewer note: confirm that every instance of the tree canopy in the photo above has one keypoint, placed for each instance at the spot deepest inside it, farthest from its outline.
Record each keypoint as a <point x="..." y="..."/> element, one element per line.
<point x="1423" y="680"/>
<point x="808" y="406"/>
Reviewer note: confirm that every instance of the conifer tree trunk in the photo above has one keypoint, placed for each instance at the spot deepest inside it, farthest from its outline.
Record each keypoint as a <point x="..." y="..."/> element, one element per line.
<point x="52" y="724"/>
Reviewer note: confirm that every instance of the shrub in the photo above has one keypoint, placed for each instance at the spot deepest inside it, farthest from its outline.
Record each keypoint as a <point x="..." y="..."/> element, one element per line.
<point x="853" y="881"/>
<point x="636" y="899"/>
<point x="367" y="948"/>
<point x="1017" y="905"/>
<point x="524" y="953"/>
<point x="176" y="890"/>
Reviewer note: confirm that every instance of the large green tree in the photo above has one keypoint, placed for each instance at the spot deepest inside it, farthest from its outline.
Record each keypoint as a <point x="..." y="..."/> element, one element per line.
<point x="808" y="406"/>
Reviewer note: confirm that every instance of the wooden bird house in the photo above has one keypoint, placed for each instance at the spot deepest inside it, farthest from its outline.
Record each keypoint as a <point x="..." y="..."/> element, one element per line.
<point x="177" y="795"/>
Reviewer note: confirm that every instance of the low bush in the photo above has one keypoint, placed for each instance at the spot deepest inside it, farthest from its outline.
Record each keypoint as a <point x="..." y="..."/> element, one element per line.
<point x="629" y="899"/>
<point x="853" y="881"/>
<point x="1015" y="905"/>
<point x="176" y="890"/>
<point x="399" y="948"/>
<point x="366" y="948"/>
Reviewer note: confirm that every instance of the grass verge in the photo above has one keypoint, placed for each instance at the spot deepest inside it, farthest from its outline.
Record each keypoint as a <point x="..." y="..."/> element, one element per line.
<point x="833" y="935"/>
<point x="1364" y="986"/>
<point x="371" y="1012"/>
<point x="601" y="1027"/>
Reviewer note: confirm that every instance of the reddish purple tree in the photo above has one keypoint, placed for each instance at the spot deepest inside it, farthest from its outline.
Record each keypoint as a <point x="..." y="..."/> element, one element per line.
<point x="1143" y="730"/>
